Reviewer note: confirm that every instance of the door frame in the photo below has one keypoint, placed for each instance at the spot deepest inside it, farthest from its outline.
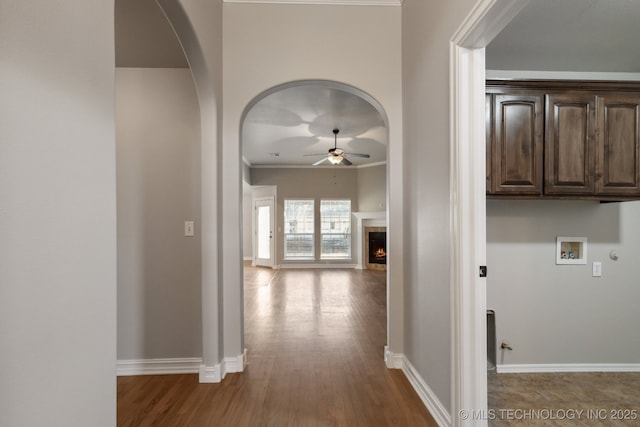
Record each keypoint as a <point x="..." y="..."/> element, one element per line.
<point x="468" y="206"/>
<point x="272" y="203"/>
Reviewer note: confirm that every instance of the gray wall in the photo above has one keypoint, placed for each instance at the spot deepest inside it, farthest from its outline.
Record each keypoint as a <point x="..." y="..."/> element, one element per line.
<point x="329" y="183"/>
<point x="427" y="28"/>
<point x="57" y="214"/>
<point x="560" y="314"/>
<point x="158" y="176"/>
<point x="372" y="188"/>
<point x="371" y="196"/>
<point x="247" y="226"/>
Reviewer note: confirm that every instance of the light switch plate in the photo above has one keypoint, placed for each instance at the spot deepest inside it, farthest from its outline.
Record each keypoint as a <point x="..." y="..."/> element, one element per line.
<point x="188" y="228"/>
<point x="597" y="269"/>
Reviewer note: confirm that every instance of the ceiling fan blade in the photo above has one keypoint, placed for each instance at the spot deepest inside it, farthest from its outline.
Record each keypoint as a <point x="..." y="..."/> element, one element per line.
<point x="366" y="156"/>
<point x="321" y="161"/>
<point x="346" y="161"/>
<point x="317" y="154"/>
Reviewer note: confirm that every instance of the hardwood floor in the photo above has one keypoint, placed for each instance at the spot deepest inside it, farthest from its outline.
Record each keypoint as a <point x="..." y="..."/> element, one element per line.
<point x="315" y="341"/>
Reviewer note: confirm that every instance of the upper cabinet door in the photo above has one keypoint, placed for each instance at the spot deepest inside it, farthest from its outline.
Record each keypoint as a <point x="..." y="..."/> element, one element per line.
<point x="569" y="144"/>
<point x="618" y="158"/>
<point x="516" y="164"/>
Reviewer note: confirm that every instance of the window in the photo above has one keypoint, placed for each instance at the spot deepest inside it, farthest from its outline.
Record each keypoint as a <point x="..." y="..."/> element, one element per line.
<point x="335" y="229"/>
<point x="298" y="229"/>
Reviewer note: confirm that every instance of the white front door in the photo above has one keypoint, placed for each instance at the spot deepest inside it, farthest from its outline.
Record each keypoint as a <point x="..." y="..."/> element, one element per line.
<point x="264" y="227"/>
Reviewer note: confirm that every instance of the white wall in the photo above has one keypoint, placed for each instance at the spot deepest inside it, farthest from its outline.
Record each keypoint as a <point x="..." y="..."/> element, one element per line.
<point x="372" y="188"/>
<point x="158" y="176"/>
<point x="267" y="45"/>
<point x="427" y="28"/>
<point x="57" y="214"/>
<point x="560" y="314"/>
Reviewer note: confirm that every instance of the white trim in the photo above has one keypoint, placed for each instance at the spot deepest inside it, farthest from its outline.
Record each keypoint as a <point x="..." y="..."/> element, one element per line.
<point x="369" y="219"/>
<point x="468" y="294"/>
<point x="324" y="2"/>
<point x="249" y="258"/>
<point x="437" y="410"/>
<point x="318" y="265"/>
<point x="468" y="217"/>
<point x="210" y="374"/>
<point x="270" y="202"/>
<point x="392" y="360"/>
<point x="232" y="365"/>
<point x="568" y="367"/>
<point x="185" y="365"/>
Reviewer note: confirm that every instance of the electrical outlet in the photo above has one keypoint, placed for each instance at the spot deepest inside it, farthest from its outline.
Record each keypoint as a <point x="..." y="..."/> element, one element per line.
<point x="188" y="228"/>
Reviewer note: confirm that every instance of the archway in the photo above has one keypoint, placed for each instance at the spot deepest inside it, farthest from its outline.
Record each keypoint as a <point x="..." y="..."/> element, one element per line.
<point x="288" y="121"/>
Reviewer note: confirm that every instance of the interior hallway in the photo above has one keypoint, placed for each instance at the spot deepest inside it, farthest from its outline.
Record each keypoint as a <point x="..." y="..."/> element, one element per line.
<point x="315" y="341"/>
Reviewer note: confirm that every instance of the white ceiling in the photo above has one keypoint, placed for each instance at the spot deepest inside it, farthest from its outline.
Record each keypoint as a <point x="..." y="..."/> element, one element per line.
<point x="570" y="35"/>
<point x="287" y="126"/>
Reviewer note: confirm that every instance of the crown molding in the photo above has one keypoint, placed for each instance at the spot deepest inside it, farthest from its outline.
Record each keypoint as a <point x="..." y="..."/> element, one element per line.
<point x="325" y="2"/>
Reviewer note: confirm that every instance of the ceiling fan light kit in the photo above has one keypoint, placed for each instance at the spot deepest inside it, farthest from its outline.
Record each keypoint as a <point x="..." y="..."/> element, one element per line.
<point x="337" y="156"/>
<point x="336" y="159"/>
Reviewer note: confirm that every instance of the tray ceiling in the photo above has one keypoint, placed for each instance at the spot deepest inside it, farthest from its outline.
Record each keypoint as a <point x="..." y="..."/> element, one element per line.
<point x="294" y="127"/>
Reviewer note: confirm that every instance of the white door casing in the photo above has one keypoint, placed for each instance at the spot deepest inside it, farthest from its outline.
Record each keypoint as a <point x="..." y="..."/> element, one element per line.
<point x="468" y="207"/>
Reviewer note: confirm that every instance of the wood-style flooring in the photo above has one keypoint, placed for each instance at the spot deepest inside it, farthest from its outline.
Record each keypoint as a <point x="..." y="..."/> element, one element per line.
<point x="315" y="341"/>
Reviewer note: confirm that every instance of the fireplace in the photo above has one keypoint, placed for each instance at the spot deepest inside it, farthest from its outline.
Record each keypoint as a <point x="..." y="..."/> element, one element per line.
<point x="375" y="248"/>
<point x="367" y="222"/>
<point x="378" y="247"/>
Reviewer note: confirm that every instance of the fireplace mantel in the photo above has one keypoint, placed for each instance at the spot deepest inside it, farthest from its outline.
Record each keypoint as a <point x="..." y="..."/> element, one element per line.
<point x="366" y="219"/>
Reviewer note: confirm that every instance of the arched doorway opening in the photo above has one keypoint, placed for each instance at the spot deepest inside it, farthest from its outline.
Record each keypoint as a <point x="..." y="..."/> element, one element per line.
<point x="286" y="134"/>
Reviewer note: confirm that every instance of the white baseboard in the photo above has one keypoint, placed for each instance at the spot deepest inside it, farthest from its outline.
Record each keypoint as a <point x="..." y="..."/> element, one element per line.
<point x="291" y="266"/>
<point x="210" y="374"/>
<point x="229" y="365"/>
<point x="392" y="360"/>
<point x="430" y="400"/>
<point x="234" y="364"/>
<point x="568" y="367"/>
<point x="248" y="258"/>
<point x="428" y="397"/>
<point x="186" y="365"/>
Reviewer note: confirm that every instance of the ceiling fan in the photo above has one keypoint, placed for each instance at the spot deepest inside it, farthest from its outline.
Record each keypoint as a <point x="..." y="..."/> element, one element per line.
<point x="337" y="155"/>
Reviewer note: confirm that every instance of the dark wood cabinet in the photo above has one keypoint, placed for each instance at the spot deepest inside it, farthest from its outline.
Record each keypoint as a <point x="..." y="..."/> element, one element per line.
<point x="569" y="144"/>
<point x="489" y="135"/>
<point x="618" y="166"/>
<point x="563" y="140"/>
<point x="517" y="149"/>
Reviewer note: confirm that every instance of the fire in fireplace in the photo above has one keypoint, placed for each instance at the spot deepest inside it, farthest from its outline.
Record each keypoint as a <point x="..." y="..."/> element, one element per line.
<point x="378" y="247"/>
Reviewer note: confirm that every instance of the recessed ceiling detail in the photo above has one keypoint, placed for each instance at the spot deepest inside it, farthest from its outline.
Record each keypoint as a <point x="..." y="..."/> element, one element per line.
<point x="298" y="121"/>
